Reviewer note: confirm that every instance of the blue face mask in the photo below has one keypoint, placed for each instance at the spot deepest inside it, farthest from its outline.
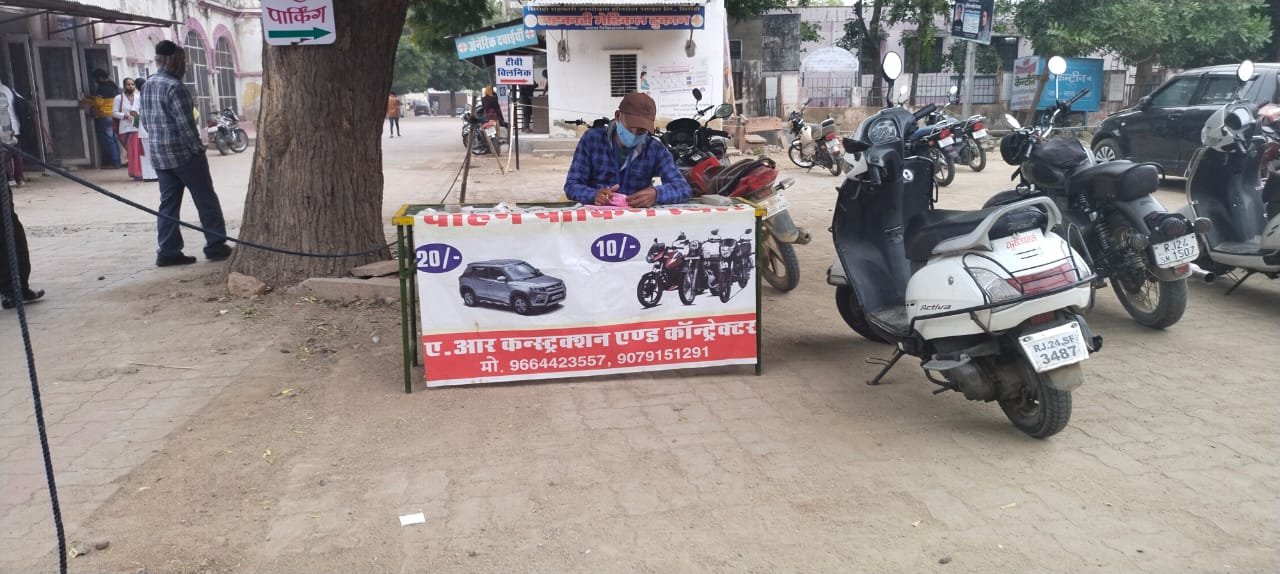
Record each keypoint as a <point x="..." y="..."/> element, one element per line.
<point x="626" y="138"/>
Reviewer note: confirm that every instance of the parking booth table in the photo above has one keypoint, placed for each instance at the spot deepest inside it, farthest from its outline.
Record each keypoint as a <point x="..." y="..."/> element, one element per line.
<point x="499" y="293"/>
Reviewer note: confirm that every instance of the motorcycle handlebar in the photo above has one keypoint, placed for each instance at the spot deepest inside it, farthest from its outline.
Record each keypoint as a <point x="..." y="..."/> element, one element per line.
<point x="922" y="112"/>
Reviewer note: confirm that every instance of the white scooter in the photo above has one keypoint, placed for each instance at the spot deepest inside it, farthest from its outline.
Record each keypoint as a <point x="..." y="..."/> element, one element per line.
<point x="989" y="300"/>
<point x="1224" y="184"/>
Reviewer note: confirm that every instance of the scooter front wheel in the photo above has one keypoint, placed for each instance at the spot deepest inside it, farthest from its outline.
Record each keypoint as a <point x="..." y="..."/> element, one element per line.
<point x="1039" y="410"/>
<point x="797" y="155"/>
<point x="850" y="308"/>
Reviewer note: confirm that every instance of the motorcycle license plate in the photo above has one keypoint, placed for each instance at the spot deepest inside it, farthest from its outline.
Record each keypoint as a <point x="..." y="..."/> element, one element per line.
<point x="777" y="203"/>
<point x="1053" y="348"/>
<point x="1174" y="253"/>
<point x="946" y="142"/>
<point x="833" y="145"/>
<point x="980" y="134"/>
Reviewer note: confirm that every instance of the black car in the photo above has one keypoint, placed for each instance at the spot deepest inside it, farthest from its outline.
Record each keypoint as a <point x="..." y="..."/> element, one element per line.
<point x="1165" y="126"/>
<point x="421" y="109"/>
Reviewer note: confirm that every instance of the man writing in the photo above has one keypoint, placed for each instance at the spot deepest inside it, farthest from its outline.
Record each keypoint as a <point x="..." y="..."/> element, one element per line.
<point x="621" y="159"/>
<point x="178" y="156"/>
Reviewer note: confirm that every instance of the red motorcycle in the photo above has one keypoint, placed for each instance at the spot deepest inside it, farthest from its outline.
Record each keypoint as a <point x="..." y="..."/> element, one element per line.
<point x="755" y="181"/>
<point x="669" y="262"/>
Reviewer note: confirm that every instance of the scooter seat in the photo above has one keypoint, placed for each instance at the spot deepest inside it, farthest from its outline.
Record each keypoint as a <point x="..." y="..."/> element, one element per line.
<point x="1116" y="180"/>
<point x="926" y="230"/>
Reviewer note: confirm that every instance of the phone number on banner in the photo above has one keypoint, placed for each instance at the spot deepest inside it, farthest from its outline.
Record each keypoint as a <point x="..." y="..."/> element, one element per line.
<point x="458" y="358"/>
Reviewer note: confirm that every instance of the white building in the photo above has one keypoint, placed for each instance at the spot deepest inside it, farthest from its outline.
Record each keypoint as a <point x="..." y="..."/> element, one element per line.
<point x="600" y="50"/>
<point x="51" y="47"/>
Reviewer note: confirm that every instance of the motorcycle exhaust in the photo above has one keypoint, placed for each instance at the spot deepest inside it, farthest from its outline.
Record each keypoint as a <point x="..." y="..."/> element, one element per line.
<point x="1207" y="276"/>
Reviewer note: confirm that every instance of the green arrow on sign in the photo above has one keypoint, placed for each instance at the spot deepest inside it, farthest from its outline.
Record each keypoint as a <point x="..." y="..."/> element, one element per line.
<point x="314" y="33"/>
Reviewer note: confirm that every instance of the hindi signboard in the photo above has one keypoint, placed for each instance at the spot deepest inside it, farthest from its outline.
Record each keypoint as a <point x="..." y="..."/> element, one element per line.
<point x="615" y="17"/>
<point x="514" y="70"/>
<point x="550" y="293"/>
<point x="290" y="22"/>
<point x="494" y="41"/>
<point x="971" y="20"/>
<point x="1081" y="73"/>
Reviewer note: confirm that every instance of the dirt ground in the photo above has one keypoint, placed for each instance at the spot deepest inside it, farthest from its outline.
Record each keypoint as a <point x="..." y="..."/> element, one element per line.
<point x="303" y="461"/>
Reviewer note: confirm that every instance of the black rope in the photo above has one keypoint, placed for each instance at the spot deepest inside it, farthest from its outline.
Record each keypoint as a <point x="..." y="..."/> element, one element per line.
<point x="6" y="213"/>
<point x="133" y="204"/>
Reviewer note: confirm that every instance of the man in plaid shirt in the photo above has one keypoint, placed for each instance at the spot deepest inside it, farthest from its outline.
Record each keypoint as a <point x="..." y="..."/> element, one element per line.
<point x="618" y="162"/>
<point x="178" y="156"/>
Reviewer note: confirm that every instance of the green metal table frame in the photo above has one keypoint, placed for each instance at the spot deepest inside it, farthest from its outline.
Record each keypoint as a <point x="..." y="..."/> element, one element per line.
<point x="407" y="272"/>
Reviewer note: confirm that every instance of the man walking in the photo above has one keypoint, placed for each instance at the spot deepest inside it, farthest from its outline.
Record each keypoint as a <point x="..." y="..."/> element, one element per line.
<point x="179" y="158"/>
<point x="393" y="115"/>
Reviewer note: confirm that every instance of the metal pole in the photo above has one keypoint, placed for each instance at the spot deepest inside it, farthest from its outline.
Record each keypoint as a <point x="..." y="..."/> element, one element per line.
<point x="970" y="53"/>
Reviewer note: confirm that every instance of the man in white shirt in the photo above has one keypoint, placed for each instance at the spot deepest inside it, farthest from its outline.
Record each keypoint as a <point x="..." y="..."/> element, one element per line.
<point x="125" y="110"/>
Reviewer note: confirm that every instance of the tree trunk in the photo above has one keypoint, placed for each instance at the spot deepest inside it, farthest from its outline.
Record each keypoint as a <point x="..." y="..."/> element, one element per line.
<point x="1143" y="79"/>
<point x="316" y="181"/>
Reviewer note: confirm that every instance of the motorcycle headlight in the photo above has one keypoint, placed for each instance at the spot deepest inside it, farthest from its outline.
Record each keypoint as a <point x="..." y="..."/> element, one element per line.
<point x="996" y="287"/>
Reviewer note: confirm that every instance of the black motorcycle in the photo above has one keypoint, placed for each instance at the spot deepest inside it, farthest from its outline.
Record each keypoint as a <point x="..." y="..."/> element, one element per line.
<point x="709" y="268"/>
<point x="691" y="139"/>
<point x="489" y="137"/>
<point x="965" y="150"/>
<point x="814" y="144"/>
<point x="1111" y="215"/>
<point x="225" y="131"/>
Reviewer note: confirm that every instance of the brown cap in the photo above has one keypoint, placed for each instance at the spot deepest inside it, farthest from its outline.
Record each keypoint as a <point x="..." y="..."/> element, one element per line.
<point x="639" y="111"/>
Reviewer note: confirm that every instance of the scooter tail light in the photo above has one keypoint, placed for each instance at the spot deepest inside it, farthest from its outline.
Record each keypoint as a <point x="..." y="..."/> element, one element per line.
<point x="996" y="288"/>
<point x="1046" y="280"/>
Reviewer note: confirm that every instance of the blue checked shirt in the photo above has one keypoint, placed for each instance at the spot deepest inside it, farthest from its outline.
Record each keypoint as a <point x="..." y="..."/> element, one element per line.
<point x="596" y="166"/>
<point x="168" y="116"/>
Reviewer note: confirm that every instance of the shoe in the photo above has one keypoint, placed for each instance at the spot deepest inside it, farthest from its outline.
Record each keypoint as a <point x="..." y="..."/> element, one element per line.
<point x="171" y="260"/>
<point x="218" y="253"/>
<point x="28" y="296"/>
<point x="151" y="180"/>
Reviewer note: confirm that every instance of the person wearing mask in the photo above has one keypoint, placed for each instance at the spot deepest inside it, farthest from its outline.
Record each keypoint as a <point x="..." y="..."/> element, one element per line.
<point x="618" y="162"/>
<point x="125" y="111"/>
<point x="8" y="297"/>
<point x="144" y="143"/>
<point x="15" y="167"/>
<point x="393" y="115"/>
<point x="100" y="105"/>
<point x="179" y="158"/>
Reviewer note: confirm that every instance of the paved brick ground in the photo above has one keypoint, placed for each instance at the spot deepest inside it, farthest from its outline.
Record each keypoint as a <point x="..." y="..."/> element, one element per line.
<point x="1170" y="463"/>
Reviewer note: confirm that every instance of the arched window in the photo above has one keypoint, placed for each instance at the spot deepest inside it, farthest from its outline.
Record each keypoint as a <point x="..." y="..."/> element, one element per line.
<point x="225" y="65"/>
<point x="197" y="79"/>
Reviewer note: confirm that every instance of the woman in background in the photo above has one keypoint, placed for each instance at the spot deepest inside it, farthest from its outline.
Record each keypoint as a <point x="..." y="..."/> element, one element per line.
<point x="144" y="145"/>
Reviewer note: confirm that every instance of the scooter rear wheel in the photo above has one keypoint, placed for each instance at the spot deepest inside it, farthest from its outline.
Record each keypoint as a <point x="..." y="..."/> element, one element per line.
<point x="1040" y="410"/>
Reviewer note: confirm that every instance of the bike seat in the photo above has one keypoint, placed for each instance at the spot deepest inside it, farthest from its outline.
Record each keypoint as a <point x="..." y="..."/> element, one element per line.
<point x="926" y="230"/>
<point x="1118" y="180"/>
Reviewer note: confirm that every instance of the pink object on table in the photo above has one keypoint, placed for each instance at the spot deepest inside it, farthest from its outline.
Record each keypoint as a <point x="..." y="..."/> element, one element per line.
<point x="619" y="200"/>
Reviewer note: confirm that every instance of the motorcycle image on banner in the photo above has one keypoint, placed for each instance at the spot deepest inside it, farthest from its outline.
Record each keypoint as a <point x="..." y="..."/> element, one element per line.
<point x="513" y="295"/>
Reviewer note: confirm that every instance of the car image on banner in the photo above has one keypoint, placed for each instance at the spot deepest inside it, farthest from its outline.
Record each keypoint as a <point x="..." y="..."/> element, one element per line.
<point x="523" y="295"/>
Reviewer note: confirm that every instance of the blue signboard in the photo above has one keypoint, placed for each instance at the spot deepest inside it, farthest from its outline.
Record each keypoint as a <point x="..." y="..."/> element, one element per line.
<point x="619" y="16"/>
<point x="494" y="41"/>
<point x="1081" y="73"/>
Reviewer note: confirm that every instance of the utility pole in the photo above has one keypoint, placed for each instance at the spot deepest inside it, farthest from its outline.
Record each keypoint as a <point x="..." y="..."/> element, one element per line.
<point x="970" y="54"/>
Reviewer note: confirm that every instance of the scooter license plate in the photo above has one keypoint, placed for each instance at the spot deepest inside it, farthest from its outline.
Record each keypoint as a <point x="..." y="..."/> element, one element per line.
<point x="946" y="142"/>
<point x="1053" y="348"/>
<point x="777" y="203"/>
<point x="1174" y="253"/>
<point x="979" y="134"/>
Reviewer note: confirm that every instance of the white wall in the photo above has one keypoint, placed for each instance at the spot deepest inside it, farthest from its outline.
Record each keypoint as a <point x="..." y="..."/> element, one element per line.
<point x="579" y="88"/>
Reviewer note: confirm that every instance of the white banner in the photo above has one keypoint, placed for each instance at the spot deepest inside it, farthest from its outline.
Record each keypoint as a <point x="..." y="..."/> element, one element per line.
<point x="523" y="295"/>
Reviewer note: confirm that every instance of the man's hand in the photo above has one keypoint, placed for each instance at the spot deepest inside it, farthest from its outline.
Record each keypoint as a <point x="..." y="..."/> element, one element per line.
<point x="643" y="198"/>
<point x="605" y="195"/>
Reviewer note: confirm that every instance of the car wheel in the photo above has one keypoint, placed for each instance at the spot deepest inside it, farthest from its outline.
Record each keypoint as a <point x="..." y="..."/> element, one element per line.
<point x="468" y="298"/>
<point x="1106" y="150"/>
<point x="520" y="304"/>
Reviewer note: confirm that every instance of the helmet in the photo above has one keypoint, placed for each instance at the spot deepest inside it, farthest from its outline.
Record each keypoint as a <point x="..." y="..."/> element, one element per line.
<point x="1012" y="148"/>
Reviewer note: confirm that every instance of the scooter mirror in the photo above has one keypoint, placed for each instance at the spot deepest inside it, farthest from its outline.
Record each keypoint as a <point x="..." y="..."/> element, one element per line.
<point x="1057" y="66"/>
<point x="1245" y="70"/>
<point x="697" y="95"/>
<point x="1013" y="122"/>
<point x="903" y="95"/>
<point x="954" y="90"/>
<point x="724" y="111"/>
<point x="891" y="66"/>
